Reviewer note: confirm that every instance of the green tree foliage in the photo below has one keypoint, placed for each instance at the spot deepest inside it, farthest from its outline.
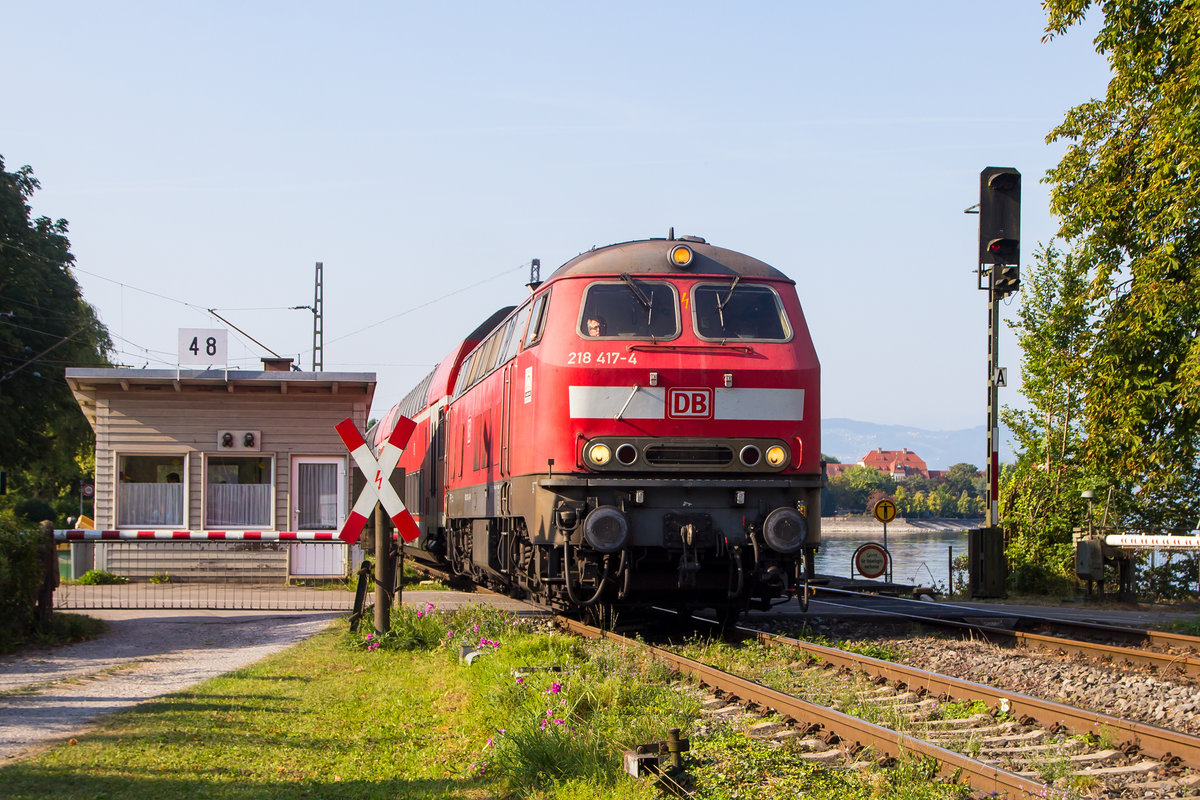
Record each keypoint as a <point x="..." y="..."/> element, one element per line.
<point x="963" y="477"/>
<point x="851" y="489"/>
<point x="1127" y="192"/>
<point x="956" y="493"/>
<point x="45" y="326"/>
<point x="1040" y="494"/>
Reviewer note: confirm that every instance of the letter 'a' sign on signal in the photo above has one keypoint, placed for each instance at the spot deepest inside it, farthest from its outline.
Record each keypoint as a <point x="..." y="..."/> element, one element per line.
<point x="378" y="487"/>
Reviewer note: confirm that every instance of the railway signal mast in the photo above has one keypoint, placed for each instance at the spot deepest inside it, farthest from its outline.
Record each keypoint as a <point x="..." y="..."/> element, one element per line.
<point x="999" y="263"/>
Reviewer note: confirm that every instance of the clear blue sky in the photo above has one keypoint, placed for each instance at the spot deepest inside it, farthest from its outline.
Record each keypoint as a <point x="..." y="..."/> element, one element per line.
<point x="212" y="153"/>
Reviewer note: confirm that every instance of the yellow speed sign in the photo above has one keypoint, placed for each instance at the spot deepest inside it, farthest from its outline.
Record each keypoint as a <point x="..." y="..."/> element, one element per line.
<point x="885" y="511"/>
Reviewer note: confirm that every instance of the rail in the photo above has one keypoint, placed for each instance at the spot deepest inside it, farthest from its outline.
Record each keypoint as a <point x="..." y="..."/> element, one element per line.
<point x="1185" y="664"/>
<point x="1149" y="739"/>
<point x="981" y="777"/>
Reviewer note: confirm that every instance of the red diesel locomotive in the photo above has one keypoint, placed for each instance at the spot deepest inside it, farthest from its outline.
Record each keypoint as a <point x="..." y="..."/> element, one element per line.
<point x="643" y="429"/>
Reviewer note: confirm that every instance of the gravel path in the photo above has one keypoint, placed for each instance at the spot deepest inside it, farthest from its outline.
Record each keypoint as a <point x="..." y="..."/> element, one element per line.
<point x="50" y="694"/>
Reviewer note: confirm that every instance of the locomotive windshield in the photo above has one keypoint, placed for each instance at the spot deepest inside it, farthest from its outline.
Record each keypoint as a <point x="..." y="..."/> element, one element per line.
<point x="739" y="311"/>
<point x="629" y="309"/>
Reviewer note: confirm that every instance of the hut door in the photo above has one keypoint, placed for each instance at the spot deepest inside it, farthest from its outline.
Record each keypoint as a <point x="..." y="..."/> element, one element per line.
<point x="317" y="502"/>
<point x="318" y="496"/>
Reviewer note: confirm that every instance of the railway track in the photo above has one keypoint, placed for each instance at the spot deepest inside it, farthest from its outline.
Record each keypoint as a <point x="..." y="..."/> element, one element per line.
<point x="1165" y="653"/>
<point x="1011" y="750"/>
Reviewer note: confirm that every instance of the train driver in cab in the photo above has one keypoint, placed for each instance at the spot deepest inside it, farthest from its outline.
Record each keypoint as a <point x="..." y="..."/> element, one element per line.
<point x="597" y="326"/>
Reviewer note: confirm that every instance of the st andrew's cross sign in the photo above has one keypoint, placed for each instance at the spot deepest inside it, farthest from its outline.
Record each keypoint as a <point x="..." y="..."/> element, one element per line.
<point x="377" y="472"/>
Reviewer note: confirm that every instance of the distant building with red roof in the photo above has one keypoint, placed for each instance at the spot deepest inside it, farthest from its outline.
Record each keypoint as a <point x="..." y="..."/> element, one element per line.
<point x="897" y="463"/>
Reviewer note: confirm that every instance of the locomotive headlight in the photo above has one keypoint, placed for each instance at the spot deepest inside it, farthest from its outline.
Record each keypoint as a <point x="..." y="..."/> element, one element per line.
<point x="785" y="530"/>
<point x="681" y="256"/>
<point x="599" y="454"/>
<point x="607" y="529"/>
<point x="777" y="455"/>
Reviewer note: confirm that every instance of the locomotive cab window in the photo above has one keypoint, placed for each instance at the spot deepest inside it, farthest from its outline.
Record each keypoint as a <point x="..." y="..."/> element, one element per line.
<point x="739" y="311"/>
<point x="537" y="323"/>
<point x="629" y="309"/>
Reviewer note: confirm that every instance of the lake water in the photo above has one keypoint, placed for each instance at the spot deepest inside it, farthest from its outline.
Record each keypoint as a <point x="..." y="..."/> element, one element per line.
<point x="918" y="557"/>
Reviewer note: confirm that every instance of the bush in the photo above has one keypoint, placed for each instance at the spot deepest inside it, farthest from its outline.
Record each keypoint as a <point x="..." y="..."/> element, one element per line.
<point x="20" y="581"/>
<point x="33" y="511"/>
<point x="1030" y="578"/>
<point x="100" y="577"/>
<point x="1174" y="579"/>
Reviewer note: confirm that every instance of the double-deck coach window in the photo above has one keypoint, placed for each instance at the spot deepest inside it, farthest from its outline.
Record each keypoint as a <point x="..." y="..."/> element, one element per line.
<point x="742" y="311"/>
<point x="629" y="309"/>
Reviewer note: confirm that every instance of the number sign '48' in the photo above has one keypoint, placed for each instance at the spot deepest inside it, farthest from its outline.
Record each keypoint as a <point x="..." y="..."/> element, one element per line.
<point x="203" y="347"/>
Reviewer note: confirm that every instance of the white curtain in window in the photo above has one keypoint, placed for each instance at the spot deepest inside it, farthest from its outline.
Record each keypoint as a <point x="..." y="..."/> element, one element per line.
<point x="318" y="495"/>
<point x="150" y="504"/>
<point x="238" y="505"/>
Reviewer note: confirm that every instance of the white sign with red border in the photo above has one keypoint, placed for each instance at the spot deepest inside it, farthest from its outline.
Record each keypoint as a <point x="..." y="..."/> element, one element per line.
<point x="378" y="471"/>
<point x="871" y="560"/>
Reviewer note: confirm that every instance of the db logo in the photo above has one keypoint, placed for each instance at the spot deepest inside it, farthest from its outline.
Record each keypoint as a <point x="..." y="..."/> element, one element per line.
<point x="689" y="403"/>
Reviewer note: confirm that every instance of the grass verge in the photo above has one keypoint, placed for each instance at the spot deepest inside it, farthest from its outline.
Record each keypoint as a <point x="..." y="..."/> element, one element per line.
<point x="535" y="715"/>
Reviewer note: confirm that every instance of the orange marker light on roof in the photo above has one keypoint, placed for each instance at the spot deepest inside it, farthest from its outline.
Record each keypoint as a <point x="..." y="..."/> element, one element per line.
<point x="681" y="256"/>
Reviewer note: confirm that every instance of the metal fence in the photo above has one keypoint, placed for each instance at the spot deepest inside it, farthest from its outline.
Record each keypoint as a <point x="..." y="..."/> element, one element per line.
<point x="251" y="570"/>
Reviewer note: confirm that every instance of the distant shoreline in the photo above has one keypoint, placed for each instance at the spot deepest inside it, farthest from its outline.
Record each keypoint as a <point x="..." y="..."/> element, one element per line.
<point x="860" y="524"/>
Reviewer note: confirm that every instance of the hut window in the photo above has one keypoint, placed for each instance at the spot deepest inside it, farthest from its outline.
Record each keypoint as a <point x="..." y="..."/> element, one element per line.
<point x="238" y="492"/>
<point x="150" y="491"/>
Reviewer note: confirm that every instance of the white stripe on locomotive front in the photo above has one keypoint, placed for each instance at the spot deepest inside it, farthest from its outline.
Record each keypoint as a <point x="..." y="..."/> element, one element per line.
<point x="650" y="402"/>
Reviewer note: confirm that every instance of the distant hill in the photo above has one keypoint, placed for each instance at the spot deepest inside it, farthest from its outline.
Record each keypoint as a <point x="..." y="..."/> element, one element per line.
<point x="849" y="440"/>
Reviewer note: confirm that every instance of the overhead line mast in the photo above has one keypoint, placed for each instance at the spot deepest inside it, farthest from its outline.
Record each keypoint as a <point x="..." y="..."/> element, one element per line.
<point x="318" y="320"/>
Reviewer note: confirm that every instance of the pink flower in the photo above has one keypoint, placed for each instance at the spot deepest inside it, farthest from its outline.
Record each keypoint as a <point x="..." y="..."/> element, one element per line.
<point x="490" y="742"/>
<point x="555" y="688"/>
<point x="429" y="607"/>
<point x="475" y="628"/>
<point x="520" y="681"/>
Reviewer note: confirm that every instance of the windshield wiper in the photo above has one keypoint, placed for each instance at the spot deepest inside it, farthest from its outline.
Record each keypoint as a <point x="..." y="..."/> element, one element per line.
<point x="647" y="302"/>
<point x="722" y="303"/>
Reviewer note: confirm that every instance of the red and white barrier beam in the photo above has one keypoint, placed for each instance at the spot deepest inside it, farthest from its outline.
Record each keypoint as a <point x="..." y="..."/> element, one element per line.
<point x="196" y="536"/>
<point x="1154" y="542"/>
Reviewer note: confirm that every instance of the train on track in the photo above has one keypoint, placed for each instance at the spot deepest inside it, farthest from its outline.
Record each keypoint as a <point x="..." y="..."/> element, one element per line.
<point x="643" y="429"/>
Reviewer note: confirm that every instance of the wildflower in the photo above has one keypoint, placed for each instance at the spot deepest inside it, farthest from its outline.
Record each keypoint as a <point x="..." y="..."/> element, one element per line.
<point x="491" y="742"/>
<point x="475" y="628"/>
<point x="369" y="635"/>
<point x="429" y="607"/>
<point x="555" y="688"/>
<point x="419" y="615"/>
<point x="520" y="680"/>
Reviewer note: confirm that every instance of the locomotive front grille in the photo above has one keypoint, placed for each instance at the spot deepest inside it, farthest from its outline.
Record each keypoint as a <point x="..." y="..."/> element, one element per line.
<point x="687" y="455"/>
